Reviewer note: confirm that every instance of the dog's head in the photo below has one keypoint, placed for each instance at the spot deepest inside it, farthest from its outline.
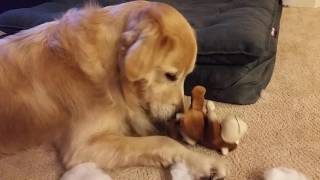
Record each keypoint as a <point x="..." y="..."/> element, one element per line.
<point x="159" y="51"/>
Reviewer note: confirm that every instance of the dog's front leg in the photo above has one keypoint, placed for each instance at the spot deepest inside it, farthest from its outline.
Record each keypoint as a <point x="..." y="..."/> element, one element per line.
<point x="112" y="151"/>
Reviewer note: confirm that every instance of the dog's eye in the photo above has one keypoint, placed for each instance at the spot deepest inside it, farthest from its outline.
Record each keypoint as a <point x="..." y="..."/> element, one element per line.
<point x="171" y="76"/>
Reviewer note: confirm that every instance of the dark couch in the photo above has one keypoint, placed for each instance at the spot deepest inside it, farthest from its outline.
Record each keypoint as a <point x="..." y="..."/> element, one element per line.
<point x="237" y="41"/>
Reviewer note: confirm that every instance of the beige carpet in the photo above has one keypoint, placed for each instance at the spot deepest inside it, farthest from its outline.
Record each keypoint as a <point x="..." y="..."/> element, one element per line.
<point x="284" y="124"/>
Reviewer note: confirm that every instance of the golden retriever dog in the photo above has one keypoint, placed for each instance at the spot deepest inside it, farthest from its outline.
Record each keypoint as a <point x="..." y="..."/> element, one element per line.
<point x="96" y="82"/>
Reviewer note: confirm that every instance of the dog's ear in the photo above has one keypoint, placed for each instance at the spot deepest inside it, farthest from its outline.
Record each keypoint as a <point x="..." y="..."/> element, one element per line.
<point x="143" y="43"/>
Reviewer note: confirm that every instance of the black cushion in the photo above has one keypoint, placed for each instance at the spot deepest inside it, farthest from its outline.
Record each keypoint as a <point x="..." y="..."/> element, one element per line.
<point x="13" y="4"/>
<point x="16" y="20"/>
<point x="229" y="27"/>
<point x="223" y="27"/>
<point x="234" y="39"/>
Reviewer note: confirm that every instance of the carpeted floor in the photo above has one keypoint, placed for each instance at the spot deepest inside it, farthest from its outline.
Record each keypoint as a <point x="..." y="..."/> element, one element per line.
<point x="284" y="124"/>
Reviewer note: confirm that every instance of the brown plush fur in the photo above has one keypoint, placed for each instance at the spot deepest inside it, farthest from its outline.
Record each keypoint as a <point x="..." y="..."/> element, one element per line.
<point x="193" y="121"/>
<point x="95" y="83"/>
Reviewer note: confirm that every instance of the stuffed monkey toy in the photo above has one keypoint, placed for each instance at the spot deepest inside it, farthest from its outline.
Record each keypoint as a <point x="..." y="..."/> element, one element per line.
<point x="192" y="121"/>
<point x="206" y="129"/>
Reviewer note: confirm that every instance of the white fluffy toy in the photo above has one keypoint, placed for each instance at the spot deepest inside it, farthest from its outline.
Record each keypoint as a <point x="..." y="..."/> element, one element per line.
<point x="89" y="171"/>
<point x="282" y="173"/>
<point x="85" y="171"/>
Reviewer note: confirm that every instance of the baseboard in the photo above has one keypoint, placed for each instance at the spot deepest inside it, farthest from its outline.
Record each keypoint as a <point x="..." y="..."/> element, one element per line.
<point x="301" y="3"/>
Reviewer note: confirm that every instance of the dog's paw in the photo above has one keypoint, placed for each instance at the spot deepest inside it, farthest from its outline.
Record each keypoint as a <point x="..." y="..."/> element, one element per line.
<point x="85" y="171"/>
<point x="206" y="167"/>
<point x="180" y="171"/>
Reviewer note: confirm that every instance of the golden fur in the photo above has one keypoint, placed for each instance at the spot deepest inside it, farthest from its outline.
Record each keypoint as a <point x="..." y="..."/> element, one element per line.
<point x="95" y="83"/>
